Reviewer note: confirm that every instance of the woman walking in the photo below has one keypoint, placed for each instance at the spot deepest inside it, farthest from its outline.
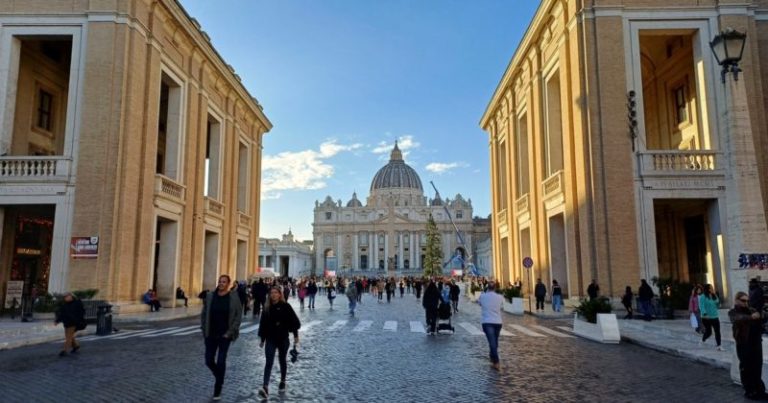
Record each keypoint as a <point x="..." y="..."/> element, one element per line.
<point x="72" y="315"/>
<point x="277" y="322"/>
<point x="693" y="307"/>
<point x="220" y="323"/>
<point x="331" y="293"/>
<point x="557" y="296"/>
<point x="708" y="305"/>
<point x="490" y="305"/>
<point x="626" y="300"/>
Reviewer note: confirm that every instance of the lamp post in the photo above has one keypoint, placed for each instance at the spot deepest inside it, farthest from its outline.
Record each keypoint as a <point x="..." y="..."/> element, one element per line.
<point x="745" y="215"/>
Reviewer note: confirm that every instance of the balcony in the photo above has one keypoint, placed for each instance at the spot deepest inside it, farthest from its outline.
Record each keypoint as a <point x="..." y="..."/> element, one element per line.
<point x="553" y="186"/>
<point x="214" y="208"/>
<point x="501" y="217"/>
<point x="522" y="206"/>
<point x="34" y="169"/>
<point x="168" y="188"/>
<point x="675" y="162"/>
<point x="243" y="219"/>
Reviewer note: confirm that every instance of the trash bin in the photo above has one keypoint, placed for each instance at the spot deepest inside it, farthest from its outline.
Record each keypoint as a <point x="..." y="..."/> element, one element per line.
<point x="103" y="320"/>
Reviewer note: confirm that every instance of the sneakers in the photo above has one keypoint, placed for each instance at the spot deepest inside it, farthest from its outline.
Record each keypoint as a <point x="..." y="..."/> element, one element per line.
<point x="263" y="392"/>
<point x="216" y="392"/>
<point x="496" y="366"/>
<point x="281" y="387"/>
<point x="720" y="348"/>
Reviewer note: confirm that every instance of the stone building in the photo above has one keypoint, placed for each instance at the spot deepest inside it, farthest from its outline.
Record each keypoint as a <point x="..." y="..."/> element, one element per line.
<point x="619" y="154"/>
<point x="286" y="256"/>
<point x="130" y="151"/>
<point x="387" y="234"/>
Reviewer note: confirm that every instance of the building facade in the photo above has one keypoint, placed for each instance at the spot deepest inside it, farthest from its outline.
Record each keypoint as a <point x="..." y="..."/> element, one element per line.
<point x="286" y="256"/>
<point x="130" y="152"/>
<point x="618" y="153"/>
<point x="387" y="234"/>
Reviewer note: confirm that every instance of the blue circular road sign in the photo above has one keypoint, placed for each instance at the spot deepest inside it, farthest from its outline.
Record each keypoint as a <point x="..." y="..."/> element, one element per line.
<point x="527" y="262"/>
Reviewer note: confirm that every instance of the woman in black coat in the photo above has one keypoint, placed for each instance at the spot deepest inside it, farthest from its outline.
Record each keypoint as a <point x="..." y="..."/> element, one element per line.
<point x="72" y="314"/>
<point x="430" y="302"/>
<point x="277" y="322"/>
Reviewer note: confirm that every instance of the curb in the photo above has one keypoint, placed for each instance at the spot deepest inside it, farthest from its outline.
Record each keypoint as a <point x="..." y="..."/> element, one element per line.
<point x="678" y="353"/>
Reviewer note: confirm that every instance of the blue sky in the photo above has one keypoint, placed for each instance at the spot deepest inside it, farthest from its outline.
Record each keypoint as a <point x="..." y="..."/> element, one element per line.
<point x="341" y="80"/>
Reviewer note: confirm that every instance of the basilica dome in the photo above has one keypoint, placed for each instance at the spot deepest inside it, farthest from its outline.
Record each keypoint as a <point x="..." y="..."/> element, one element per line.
<point x="396" y="174"/>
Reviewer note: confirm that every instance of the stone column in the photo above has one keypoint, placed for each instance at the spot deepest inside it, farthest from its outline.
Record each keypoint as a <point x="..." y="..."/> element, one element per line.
<point x="355" y="251"/>
<point x="745" y="220"/>
<point x="339" y="252"/>
<point x="375" y="253"/>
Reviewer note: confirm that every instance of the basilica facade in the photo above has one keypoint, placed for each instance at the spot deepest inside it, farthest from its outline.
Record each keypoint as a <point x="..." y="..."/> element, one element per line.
<point x="386" y="234"/>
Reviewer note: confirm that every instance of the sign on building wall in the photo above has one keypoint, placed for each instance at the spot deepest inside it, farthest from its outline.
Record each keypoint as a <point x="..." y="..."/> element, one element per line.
<point x="84" y="247"/>
<point x="14" y="289"/>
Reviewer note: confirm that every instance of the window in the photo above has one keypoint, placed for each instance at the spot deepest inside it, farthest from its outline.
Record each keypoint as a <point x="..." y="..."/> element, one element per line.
<point x="328" y="215"/>
<point x="363" y="261"/>
<point x="459" y="214"/>
<point x="44" y="110"/>
<point x="681" y="104"/>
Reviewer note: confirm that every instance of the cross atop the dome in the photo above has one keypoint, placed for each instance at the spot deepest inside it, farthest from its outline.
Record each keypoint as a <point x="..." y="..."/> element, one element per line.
<point x="396" y="155"/>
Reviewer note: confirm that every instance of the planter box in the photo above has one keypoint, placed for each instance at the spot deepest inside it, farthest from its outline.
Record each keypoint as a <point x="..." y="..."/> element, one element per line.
<point x="515" y="307"/>
<point x="606" y="330"/>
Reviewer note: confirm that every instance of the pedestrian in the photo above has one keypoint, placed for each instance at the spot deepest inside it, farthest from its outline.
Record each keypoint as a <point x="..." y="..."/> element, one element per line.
<point x="430" y="303"/>
<point x="756" y="295"/>
<point x="490" y="307"/>
<point x="389" y="287"/>
<point x="455" y="291"/>
<point x="259" y="294"/>
<point x="402" y="288"/>
<point x="747" y="332"/>
<point x="331" y="290"/>
<point x="311" y="293"/>
<point x="302" y="294"/>
<point x="709" y="303"/>
<point x="593" y="290"/>
<point x="352" y="297"/>
<point x="71" y="314"/>
<point x="644" y="297"/>
<point x="557" y="296"/>
<point x="693" y="307"/>
<point x="181" y="295"/>
<point x="277" y="322"/>
<point x="220" y="324"/>
<point x="626" y="300"/>
<point x="380" y="287"/>
<point x="417" y="287"/>
<point x="242" y="293"/>
<point x="359" y="285"/>
<point x="540" y="291"/>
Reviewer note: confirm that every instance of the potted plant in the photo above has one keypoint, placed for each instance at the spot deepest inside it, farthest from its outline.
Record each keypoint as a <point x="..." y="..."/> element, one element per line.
<point x="513" y="300"/>
<point x="593" y="320"/>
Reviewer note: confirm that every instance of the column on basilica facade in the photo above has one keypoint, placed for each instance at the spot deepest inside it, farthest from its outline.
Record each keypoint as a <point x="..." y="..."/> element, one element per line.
<point x="356" y="251"/>
<point x="386" y="250"/>
<point x="340" y="251"/>
<point x="412" y="254"/>
<point x="400" y="250"/>
<point x="374" y="263"/>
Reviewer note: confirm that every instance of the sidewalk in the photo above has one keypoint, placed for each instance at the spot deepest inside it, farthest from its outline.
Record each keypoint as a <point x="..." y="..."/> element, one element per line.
<point x="14" y="333"/>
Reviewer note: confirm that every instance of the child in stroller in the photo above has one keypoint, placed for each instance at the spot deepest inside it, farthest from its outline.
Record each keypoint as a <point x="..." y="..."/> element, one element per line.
<point x="444" y="317"/>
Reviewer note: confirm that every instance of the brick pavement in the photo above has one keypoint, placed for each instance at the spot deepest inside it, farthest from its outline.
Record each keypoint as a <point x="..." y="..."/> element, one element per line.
<point x="338" y="364"/>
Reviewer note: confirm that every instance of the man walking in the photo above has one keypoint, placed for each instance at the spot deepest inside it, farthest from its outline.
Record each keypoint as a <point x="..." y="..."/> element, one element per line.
<point x="593" y="290"/>
<point x="259" y="294"/>
<point x="72" y="314"/>
<point x="311" y="293"/>
<point x="352" y="296"/>
<point x="540" y="291"/>
<point x="644" y="297"/>
<point x="747" y="332"/>
<point x="490" y="305"/>
<point x="455" y="291"/>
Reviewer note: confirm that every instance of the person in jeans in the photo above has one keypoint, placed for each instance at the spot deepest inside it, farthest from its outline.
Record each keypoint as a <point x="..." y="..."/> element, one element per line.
<point x="220" y="323"/>
<point x="747" y="332"/>
<point x="277" y="322"/>
<point x="72" y="315"/>
<point x="708" y="305"/>
<point x="351" y="291"/>
<point x="540" y="291"/>
<point x="557" y="296"/>
<point x="430" y="302"/>
<point x="490" y="306"/>
<point x="311" y="293"/>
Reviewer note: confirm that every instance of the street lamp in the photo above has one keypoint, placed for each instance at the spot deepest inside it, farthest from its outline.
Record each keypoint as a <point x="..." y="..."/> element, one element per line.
<point x="728" y="46"/>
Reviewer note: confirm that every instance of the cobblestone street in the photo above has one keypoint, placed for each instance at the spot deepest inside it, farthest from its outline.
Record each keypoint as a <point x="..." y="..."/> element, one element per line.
<point x="382" y="354"/>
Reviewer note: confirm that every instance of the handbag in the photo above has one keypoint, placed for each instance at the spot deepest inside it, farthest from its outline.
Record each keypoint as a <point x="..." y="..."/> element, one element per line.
<point x="694" y="321"/>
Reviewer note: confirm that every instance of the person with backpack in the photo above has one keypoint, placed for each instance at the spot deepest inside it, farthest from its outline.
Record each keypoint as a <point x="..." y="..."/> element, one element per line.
<point x="72" y="315"/>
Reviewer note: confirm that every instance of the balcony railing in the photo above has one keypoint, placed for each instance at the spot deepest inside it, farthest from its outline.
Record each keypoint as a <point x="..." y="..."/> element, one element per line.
<point x="522" y="205"/>
<point x="501" y="217"/>
<point x="687" y="162"/>
<point x="553" y="185"/>
<point x="165" y="186"/>
<point x="28" y="168"/>
<point x="243" y="219"/>
<point x="214" y="207"/>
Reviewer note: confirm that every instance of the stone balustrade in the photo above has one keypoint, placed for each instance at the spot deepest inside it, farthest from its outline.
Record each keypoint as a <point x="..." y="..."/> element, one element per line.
<point x="214" y="207"/>
<point x="243" y="219"/>
<point x="30" y="168"/>
<point x="522" y="205"/>
<point x="682" y="161"/>
<point x="501" y="217"/>
<point x="165" y="186"/>
<point x="553" y="185"/>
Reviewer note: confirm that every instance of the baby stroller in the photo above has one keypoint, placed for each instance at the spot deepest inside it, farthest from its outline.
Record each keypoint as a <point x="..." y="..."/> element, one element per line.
<point x="444" y="317"/>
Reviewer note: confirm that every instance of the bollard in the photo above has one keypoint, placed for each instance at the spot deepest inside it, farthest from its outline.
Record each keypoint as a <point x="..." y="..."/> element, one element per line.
<point x="103" y="320"/>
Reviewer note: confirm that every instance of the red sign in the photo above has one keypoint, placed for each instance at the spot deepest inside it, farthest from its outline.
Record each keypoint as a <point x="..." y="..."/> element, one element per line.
<point x="84" y="247"/>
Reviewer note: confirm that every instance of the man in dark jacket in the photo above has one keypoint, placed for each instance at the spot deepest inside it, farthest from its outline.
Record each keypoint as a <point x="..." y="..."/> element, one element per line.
<point x="756" y="297"/>
<point x="455" y="291"/>
<point x="593" y="290"/>
<point x="259" y="293"/>
<point x="644" y="297"/>
<point x="72" y="314"/>
<point x="540" y="291"/>
<point x="747" y="332"/>
<point x="430" y="302"/>
<point x="311" y="293"/>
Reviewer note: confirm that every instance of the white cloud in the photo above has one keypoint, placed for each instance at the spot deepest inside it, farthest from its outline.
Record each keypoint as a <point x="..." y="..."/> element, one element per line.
<point x="405" y="143"/>
<point x="305" y="169"/>
<point x="442" y="167"/>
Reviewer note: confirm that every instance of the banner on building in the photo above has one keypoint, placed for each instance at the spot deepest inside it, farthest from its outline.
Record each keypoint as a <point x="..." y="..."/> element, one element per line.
<point x="84" y="247"/>
<point x="13" y="290"/>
